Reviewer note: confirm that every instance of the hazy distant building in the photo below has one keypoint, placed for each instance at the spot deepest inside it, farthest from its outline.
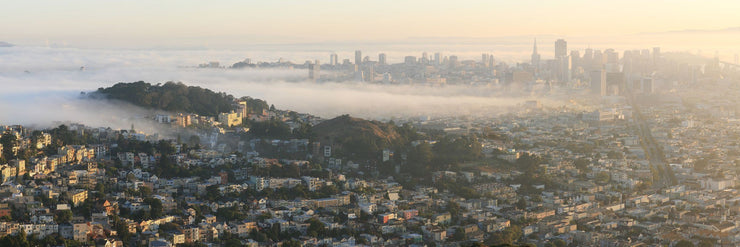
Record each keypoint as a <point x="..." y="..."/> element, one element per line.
<point x="358" y="57"/>
<point x="645" y="54"/>
<point x="358" y="75"/>
<point x="368" y="72"/>
<point x="453" y="62"/>
<point x="565" y="69"/>
<point x="575" y="60"/>
<point x="561" y="48"/>
<point x="535" y="59"/>
<point x="382" y="59"/>
<point x="437" y="58"/>
<point x="615" y="82"/>
<point x="487" y="60"/>
<point x="611" y="56"/>
<point x="612" y="61"/>
<point x="598" y="82"/>
<point x="521" y="76"/>
<point x="598" y="60"/>
<point x="313" y="70"/>
<point x="387" y="78"/>
<point x="409" y="60"/>
<point x="588" y="55"/>
<point x="562" y="61"/>
<point x="631" y="65"/>
<point x="333" y="59"/>
<point x="647" y="85"/>
<point x="656" y="56"/>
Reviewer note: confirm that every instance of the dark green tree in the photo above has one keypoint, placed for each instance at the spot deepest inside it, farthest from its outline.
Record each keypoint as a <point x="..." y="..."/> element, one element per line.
<point x="316" y="228"/>
<point x="8" y="140"/>
<point x="684" y="243"/>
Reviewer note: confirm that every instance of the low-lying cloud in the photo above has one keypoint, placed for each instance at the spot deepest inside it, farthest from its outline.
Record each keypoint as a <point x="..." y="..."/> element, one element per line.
<point x="43" y="85"/>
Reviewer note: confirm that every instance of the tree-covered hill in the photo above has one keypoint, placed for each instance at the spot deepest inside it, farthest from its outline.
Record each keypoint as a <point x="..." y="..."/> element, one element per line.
<point x="362" y="138"/>
<point x="175" y="97"/>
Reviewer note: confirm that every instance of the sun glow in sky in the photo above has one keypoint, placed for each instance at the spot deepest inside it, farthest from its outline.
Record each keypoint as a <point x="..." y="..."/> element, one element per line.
<point x="182" y="23"/>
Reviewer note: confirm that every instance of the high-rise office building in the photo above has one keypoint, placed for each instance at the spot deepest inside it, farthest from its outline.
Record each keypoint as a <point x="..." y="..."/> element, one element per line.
<point x="563" y="60"/>
<point x="611" y="56"/>
<point x="358" y="57"/>
<point x="645" y="54"/>
<point x="437" y="58"/>
<point x="615" y="82"/>
<point x="566" y="65"/>
<point x="382" y="59"/>
<point x="656" y="56"/>
<point x="587" y="60"/>
<point x="313" y="70"/>
<point x="369" y="73"/>
<point x="612" y="61"/>
<point x="598" y="59"/>
<point x="333" y="59"/>
<point x="647" y="85"/>
<point x="561" y="48"/>
<point x="598" y="82"/>
<point x="575" y="62"/>
<point x="629" y="59"/>
<point x="453" y="62"/>
<point x="588" y="54"/>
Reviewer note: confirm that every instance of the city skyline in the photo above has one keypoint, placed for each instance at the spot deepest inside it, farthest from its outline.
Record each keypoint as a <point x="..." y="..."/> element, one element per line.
<point x="375" y="123"/>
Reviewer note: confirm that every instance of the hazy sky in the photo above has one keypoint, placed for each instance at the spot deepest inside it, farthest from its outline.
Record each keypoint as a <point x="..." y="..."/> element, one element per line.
<point x="184" y="23"/>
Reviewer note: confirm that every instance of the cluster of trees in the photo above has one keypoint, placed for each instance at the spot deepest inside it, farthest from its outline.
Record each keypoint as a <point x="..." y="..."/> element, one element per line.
<point x="702" y="243"/>
<point x="507" y="236"/>
<point x="533" y="174"/>
<point x="363" y="147"/>
<point x="178" y="97"/>
<point x="171" y="96"/>
<point x="360" y="139"/>
<point x="156" y="209"/>
<point x="23" y="240"/>
<point x="164" y="166"/>
<point x="299" y="191"/>
<point x="62" y="135"/>
<point x="232" y="213"/>
<point x="7" y="140"/>
<point x="369" y="145"/>
<point x="460" y="188"/>
<point x="256" y="105"/>
<point x="273" y="129"/>
<point x="450" y="150"/>
<point x="447" y="152"/>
